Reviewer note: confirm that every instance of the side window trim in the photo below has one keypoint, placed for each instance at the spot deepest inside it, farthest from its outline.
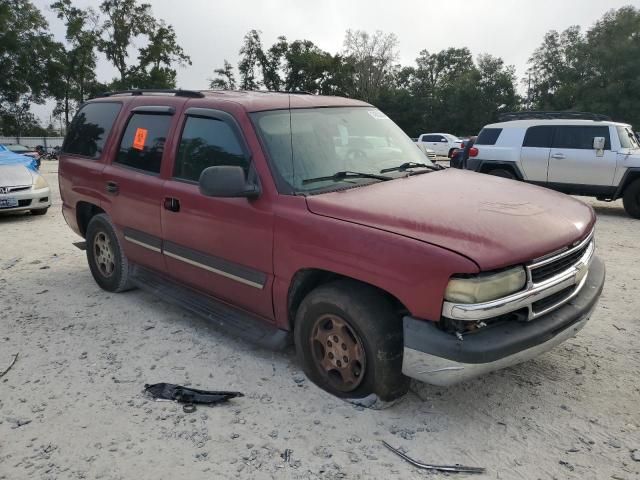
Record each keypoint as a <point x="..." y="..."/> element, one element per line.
<point x="158" y="109"/>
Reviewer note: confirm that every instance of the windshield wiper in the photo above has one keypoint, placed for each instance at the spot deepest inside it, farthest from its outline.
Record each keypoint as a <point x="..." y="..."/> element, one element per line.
<point x="407" y="165"/>
<point x="346" y="174"/>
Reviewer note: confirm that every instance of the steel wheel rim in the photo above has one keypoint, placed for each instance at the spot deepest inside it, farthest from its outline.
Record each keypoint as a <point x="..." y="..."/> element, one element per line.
<point x="103" y="254"/>
<point x="338" y="352"/>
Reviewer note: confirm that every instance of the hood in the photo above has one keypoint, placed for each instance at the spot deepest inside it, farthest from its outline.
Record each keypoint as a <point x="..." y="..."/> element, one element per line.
<point x="14" y="176"/>
<point x="7" y="157"/>
<point x="494" y="221"/>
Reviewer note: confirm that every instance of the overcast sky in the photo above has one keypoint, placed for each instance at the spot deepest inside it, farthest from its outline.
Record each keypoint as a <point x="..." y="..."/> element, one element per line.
<point x="212" y="30"/>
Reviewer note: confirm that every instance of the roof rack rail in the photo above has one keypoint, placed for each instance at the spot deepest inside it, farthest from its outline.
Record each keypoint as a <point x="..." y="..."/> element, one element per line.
<point x="540" y="115"/>
<point x="154" y="91"/>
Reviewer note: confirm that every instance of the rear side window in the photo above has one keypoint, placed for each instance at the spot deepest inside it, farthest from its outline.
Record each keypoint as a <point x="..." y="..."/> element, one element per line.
<point x="90" y="128"/>
<point x="207" y="142"/>
<point x="143" y="142"/>
<point x="627" y="138"/>
<point x="540" y="137"/>
<point x="580" y="138"/>
<point x="488" y="136"/>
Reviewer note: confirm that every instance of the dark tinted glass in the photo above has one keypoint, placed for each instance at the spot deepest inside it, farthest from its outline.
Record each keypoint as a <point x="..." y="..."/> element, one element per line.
<point x="540" y="137"/>
<point x="488" y="136"/>
<point x="580" y="137"/>
<point x="206" y="143"/>
<point x="429" y="138"/>
<point x="143" y="142"/>
<point x="90" y="128"/>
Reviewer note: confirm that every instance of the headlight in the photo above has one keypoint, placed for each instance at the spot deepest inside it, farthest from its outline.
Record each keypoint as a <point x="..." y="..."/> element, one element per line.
<point x="484" y="288"/>
<point x="39" y="182"/>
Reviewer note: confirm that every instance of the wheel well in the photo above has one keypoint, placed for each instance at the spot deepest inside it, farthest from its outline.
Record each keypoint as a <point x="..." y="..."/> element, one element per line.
<point x="85" y="211"/>
<point x="487" y="167"/>
<point x="630" y="178"/>
<point x="306" y="280"/>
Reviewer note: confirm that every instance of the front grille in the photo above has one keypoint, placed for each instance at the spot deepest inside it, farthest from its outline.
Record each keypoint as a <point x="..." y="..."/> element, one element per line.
<point x="24" y="203"/>
<point x="540" y="274"/>
<point x="15" y="189"/>
<point x="551" y="300"/>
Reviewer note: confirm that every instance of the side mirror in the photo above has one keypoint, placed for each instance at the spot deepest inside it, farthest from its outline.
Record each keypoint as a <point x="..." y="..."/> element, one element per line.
<point x="443" y="140"/>
<point x="226" y="181"/>
<point x="598" y="143"/>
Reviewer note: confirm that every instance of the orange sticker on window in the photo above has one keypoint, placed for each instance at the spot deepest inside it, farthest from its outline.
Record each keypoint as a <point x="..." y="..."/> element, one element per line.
<point x="139" y="138"/>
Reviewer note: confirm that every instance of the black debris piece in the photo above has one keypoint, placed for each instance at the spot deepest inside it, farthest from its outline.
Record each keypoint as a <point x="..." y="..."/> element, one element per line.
<point x="178" y="393"/>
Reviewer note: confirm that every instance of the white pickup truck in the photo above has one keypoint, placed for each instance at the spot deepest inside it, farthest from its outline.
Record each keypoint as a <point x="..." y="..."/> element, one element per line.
<point x="441" y="143"/>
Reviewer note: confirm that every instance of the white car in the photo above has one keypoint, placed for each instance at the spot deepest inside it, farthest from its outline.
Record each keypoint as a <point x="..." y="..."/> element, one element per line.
<point x="23" y="189"/>
<point x="580" y="154"/>
<point x="441" y="143"/>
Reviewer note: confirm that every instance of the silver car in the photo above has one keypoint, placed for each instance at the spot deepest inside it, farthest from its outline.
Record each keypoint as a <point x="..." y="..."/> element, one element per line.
<point x="23" y="189"/>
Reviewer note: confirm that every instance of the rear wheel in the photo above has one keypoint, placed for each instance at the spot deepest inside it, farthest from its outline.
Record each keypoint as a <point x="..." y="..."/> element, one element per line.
<point x="107" y="262"/>
<point x="631" y="199"/>
<point x="501" y="172"/>
<point x="349" y="341"/>
<point x="39" y="211"/>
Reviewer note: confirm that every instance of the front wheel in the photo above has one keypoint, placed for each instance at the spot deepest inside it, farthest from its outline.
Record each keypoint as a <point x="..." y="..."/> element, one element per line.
<point x="107" y="261"/>
<point x="349" y="341"/>
<point x="631" y="199"/>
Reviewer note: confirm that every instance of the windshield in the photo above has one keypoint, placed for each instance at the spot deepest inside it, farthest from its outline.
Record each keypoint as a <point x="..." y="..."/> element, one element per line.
<point x="312" y="143"/>
<point x="17" y="148"/>
<point x="627" y="138"/>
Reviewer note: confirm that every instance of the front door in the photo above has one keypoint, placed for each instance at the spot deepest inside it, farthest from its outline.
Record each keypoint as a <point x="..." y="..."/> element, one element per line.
<point x="134" y="188"/>
<point x="220" y="246"/>
<point x="574" y="161"/>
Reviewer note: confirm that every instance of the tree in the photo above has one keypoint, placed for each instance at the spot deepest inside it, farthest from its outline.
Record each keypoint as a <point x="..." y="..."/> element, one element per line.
<point x="27" y="62"/>
<point x="126" y="23"/>
<point x="250" y="54"/>
<point x="78" y="61"/>
<point x="372" y="58"/>
<point x="226" y="79"/>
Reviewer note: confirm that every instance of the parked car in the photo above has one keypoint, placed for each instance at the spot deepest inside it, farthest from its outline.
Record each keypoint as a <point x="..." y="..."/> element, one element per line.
<point x="22" y="188"/>
<point x="26" y="151"/>
<point x="580" y="154"/>
<point x="239" y="206"/>
<point x="441" y="143"/>
<point x="7" y="157"/>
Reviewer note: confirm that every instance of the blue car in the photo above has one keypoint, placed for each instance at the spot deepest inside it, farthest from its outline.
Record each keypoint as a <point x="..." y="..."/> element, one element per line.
<point x="7" y="157"/>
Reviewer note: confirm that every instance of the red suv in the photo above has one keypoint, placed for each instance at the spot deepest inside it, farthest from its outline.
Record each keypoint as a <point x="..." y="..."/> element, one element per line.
<point x="315" y="218"/>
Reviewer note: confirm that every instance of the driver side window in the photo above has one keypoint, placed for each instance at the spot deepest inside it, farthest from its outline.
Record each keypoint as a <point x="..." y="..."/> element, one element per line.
<point x="207" y="142"/>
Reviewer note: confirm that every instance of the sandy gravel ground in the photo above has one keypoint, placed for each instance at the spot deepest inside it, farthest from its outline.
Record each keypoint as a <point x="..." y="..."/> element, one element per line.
<point x="72" y="406"/>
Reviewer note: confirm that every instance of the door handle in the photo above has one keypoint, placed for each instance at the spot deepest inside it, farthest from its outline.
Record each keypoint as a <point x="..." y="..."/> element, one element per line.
<point x="112" y="187"/>
<point x="558" y="156"/>
<point x="172" y="204"/>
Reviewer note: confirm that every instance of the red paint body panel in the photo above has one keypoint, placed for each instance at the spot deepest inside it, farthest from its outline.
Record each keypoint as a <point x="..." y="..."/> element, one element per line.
<point x="493" y="221"/>
<point x="407" y="236"/>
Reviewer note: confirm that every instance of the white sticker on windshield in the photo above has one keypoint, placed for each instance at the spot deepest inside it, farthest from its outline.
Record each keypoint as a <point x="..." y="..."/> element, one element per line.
<point x="377" y="114"/>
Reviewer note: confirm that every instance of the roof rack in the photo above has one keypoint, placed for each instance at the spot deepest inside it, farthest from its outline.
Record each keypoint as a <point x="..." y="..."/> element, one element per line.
<point x="154" y="91"/>
<point x="539" y="115"/>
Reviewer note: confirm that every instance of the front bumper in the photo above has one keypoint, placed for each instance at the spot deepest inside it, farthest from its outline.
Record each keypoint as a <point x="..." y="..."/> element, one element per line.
<point x="440" y="358"/>
<point x="30" y="199"/>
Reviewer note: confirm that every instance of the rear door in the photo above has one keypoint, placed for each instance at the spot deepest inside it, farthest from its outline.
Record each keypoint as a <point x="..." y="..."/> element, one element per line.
<point x="536" y="148"/>
<point x="134" y="187"/>
<point x="573" y="160"/>
<point x="220" y="246"/>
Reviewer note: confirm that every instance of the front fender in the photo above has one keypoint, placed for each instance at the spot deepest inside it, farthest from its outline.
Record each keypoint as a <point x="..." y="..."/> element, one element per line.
<point x="414" y="272"/>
